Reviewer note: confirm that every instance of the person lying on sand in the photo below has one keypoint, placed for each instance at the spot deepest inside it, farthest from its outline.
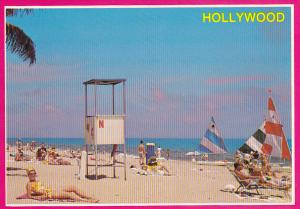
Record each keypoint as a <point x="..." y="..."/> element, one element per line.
<point x="58" y="161"/>
<point x="68" y="154"/>
<point x="53" y="160"/>
<point x="260" y="179"/>
<point x="19" y="156"/>
<point x="35" y="190"/>
<point x="154" y="166"/>
<point x="158" y="169"/>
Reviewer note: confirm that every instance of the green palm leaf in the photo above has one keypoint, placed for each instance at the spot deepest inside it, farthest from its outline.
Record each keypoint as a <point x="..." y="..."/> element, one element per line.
<point x="20" y="43"/>
<point x="14" y="12"/>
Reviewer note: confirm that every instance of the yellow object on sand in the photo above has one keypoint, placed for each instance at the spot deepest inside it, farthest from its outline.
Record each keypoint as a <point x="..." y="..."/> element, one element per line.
<point x="153" y="167"/>
<point x="48" y="192"/>
<point x="38" y="187"/>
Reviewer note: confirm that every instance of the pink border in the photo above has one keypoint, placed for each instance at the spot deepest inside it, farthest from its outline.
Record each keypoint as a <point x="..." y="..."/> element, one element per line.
<point x="155" y="2"/>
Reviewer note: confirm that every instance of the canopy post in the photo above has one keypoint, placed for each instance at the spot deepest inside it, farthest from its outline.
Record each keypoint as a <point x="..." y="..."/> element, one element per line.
<point x="96" y="161"/>
<point x="113" y="112"/>
<point x="95" y="99"/>
<point x="87" y="159"/>
<point x="85" y="118"/>
<point x="124" y="113"/>
<point x="95" y="145"/>
<point x="113" y="99"/>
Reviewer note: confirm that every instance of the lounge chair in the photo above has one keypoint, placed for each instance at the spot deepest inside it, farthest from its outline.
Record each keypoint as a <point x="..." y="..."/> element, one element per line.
<point x="255" y="186"/>
<point x="247" y="186"/>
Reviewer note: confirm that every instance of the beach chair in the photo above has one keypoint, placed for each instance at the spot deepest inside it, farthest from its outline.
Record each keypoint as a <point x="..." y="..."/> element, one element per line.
<point x="255" y="186"/>
<point x="246" y="186"/>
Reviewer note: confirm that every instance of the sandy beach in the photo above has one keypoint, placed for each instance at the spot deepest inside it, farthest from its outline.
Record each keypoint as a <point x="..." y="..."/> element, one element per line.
<point x="189" y="183"/>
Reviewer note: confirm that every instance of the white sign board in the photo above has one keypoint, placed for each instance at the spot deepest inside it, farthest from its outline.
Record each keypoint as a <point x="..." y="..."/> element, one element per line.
<point x="108" y="129"/>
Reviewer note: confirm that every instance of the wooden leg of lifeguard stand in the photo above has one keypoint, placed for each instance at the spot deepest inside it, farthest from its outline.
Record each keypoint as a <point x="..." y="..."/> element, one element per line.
<point x="96" y="161"/>
<point x="125" y="162"/>
<point x="114" y="168"/>
<point x="87" y="159"/>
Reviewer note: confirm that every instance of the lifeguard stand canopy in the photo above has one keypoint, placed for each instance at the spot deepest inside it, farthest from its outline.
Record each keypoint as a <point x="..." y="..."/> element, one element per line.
<point x="104" y="81"/>
<point x="105" y="128"/>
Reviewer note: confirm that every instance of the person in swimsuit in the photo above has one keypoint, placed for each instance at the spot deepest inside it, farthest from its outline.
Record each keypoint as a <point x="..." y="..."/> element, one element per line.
<point x="142" y="152"/>
<point x="168" y="154"/>
<point x="114" y="153"/>
<point x="35" y="190"/>
<point x="19" y="155"/>
<point x="158" y="152"/>
<point x="53" y="160"/>
<point x="156" y="167"/>
<point x="261" y="180"/>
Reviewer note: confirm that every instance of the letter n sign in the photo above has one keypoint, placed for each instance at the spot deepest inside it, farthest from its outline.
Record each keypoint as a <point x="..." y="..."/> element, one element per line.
<point x="101" y="123"/>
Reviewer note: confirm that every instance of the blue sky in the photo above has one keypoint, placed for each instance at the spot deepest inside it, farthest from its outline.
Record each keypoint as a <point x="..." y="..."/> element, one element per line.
<point x="179" y="71"/>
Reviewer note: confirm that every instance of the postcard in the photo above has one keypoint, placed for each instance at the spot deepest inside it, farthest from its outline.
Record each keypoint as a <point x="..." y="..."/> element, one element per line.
<point x="150" y="105"/>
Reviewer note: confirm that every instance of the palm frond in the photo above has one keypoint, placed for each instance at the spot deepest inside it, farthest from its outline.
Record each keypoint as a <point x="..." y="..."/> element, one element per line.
<point x="19" y="43"/>
<point x="14" y="12"/>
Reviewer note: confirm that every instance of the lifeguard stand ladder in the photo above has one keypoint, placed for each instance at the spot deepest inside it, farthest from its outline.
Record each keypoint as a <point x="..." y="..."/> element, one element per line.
<point x="104" y="129"/>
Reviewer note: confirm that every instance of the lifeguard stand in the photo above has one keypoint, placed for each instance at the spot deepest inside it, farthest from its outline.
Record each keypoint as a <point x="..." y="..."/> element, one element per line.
<point x="104" y="129"/>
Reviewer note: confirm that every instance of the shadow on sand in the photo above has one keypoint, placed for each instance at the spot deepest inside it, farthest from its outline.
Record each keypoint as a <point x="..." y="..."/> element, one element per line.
<point x="8" y="169"/>
<point x="14" y="169"/>
<point x="251" y="194"/>
<point x="93" y="177"/>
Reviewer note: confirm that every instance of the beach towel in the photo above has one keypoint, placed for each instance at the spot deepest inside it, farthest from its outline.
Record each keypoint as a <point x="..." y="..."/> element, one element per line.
<point x="229" y="188"/>
<point x="25" y="196"/>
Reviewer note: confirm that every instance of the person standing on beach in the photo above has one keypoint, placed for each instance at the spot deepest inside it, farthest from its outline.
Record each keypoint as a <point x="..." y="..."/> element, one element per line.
<point x="19" y="144"/>
<point x="142" y="152"/>
<point x="158" y="152"/>
<point x="168" y="154"/>
<point x="114" y="152"/>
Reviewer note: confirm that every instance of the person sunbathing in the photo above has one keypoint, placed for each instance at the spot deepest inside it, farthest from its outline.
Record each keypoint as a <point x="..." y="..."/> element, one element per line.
<point x="19" y="155"/>
<point x="53" y="160"/>
<point x="267" y="171"/>
<point x="267" y="168"/>
<point x="32" y="146"/>
<point x="40" y="156"/>
<point x="254" y="169"/>
<point x="154" y="166"/>
<point x="259" y="179"/>
<point x="35" y="190"/>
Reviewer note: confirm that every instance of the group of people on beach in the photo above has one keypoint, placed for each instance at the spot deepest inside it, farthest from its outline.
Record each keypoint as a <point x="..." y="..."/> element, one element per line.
<point x="50" y="155"/>
<point x="152" y="165"/>
<point x="142" y="153"/>
<point x="34" y="188"/>
<point x="255" y="167"/>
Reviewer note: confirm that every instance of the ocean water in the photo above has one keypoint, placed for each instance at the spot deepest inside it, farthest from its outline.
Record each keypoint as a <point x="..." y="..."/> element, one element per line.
<point x="173" y="144"/>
